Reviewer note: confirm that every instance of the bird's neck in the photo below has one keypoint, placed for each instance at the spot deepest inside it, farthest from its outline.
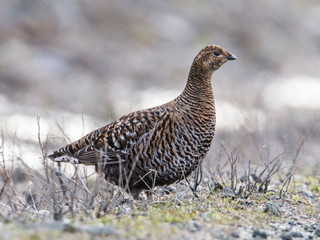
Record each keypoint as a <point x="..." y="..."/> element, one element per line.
<point x="199" y="84"/>
<point x="198" y="90"/>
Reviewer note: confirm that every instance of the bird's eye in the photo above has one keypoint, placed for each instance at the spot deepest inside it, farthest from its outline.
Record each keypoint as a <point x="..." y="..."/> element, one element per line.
<point x="216" y="53"/>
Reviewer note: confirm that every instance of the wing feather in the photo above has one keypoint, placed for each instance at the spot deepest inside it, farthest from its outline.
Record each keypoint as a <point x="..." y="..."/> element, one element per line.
<point x="113" y="143"/>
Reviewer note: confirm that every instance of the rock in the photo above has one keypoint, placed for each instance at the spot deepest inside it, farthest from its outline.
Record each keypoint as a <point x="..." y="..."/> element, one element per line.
<point x="45" y="213"/>
<point x="296" y="234"/>
<point x="207" y="215"/>
<point x="285" y="236"/>
<point x="198" y="225"/>
<point x="215" y="186"/>
<point x="19" y="175"/>
<point x="169" y="189"/>
<point x="287" y="229"/>
<point x="220" y="234"/>
<point x="259" y="233"/>
<point x="69" y="228"/>
<point x="308" y="194"/>
<point x="235" y="234"/>
<point x="273" y="208"/>
<point x="124" y="210"/>
<point x="315" y="226"/>
<point x="292" y="223"/>
<point x="317" y="232"/>
<point x="274" y="225"/>
<point x="308" y="228"/>
<point x="228" y="192"/>
<point x="98" y="230"/>
<point x="195" y="226"/>
<point x="246" y="203"/>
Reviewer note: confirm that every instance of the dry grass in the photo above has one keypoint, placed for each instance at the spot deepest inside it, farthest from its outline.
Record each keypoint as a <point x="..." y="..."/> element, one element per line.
<point x="54" y="201"/>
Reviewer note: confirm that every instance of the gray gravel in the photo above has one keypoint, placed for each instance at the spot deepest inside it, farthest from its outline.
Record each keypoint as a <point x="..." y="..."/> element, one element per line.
<point x="293" y="229"/>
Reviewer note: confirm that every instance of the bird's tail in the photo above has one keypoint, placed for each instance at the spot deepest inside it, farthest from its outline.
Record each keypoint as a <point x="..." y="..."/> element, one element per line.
<point x="63" y="157"/>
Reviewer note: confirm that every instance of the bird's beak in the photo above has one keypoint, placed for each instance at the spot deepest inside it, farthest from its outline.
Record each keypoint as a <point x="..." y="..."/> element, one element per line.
<point x="232" y="57"/>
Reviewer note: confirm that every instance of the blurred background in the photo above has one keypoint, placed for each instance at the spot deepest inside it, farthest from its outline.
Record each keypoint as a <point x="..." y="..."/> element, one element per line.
<point x="81" y="64"/>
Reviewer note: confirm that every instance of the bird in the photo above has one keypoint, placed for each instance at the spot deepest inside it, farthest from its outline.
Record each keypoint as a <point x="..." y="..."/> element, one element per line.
<point x="158" y="146"/>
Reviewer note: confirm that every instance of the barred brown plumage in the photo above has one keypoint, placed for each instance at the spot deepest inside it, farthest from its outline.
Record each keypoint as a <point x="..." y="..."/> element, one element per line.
<point x="160" y="145"/>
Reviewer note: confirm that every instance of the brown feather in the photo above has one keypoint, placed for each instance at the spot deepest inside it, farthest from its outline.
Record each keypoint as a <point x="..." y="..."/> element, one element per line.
<point x="160" y="145"/>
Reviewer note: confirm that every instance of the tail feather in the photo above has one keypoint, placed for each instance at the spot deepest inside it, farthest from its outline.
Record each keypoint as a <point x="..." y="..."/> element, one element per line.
<point x="89" y="156"/>
<point x="63" y="158"/>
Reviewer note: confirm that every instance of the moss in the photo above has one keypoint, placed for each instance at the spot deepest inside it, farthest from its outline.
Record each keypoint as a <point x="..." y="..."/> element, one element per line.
<point x="296" y="198"/>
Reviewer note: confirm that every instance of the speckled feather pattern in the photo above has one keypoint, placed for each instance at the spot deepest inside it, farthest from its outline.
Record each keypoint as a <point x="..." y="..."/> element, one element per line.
<point x="160" y="145"/>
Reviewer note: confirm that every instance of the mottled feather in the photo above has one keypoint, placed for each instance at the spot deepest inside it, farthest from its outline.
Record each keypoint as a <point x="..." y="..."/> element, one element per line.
<point x="160" y="145"/>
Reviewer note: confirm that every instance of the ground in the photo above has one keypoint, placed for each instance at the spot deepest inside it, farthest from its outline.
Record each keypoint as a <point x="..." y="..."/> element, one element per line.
<point x="172" y="212"/>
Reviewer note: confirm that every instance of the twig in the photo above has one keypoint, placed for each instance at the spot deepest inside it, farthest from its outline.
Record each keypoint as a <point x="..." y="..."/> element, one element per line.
<point x="286" y="184"/>
<point x="40" y="143"/>
<point x="95" y="191"/>
<point x="233" y="165"/>
<point x="61" y="129"/>
<point x="294" y="160"/>
<point x="83" y="122"/>
<point x="248" y="177"/>
<point x="220" y="175"/>
<point x="271" y="172"/>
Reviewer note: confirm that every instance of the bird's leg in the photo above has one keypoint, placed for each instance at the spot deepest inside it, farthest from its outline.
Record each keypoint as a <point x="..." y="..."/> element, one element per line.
<point x="197" y="178"/>
<point x="149" y="195"/>
<point x="197" y="181"/>
<point x="59" y="175"/>
<point x="135" y="193"/>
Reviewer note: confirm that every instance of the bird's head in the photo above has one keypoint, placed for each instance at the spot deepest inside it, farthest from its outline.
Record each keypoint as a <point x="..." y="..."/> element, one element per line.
<point x="211" y="57"/>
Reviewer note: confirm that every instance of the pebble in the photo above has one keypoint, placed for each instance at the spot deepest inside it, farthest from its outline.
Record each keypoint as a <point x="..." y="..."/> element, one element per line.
<point x="315" y="226"/>
<point x="308" y="228"/>
<point x="259" y="233"/>
<point x="69" y="228"/>
<point x="297" y="234"/>
<point x="228" y="192"/>
<point x="169" y="189"/>
<point x="308" y="194"/>
<point x="221" y="235"/>
<point x="285" y="236"/>
<point x="198" y="225"/>
<point x="292" y="223"/>
<point x="274" y="225"/>
<point x="98" y="230"/>
<point x="195" y="226"/>
<point x="273" y="208"/>
<point x="207" y="215"/>
<point x="44" y="213"/>
<point x="216" y="186"/>
<point x="124" y="210"/>
<point x="317" y="232"/>
<point x="286" y="229"/>
<point x="235" y="234"/>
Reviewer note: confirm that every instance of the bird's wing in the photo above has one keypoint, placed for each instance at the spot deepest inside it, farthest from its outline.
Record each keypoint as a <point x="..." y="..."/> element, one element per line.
<point x="113" y="143"/>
